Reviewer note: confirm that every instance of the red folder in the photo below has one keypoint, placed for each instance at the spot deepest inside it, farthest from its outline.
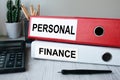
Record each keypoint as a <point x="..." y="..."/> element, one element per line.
<point x="90" y="31"/>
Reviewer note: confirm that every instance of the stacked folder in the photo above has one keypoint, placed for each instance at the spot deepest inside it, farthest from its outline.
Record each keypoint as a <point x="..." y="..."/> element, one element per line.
<point x="76" y="39"/>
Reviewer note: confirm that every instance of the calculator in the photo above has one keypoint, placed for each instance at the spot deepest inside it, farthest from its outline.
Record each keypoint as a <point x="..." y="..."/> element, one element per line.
<point x="12" y="56"/>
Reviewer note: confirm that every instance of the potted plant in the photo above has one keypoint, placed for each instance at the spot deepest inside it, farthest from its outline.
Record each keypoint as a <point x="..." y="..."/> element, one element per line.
<point x="13" y="24"/>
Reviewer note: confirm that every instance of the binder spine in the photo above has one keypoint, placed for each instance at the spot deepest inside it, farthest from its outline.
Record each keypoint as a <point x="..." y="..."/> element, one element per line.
<point x="90" y="31"/>
<point x="75" y="53"/>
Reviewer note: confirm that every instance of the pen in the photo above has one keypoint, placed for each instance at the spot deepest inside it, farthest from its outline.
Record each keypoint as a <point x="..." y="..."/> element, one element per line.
<point x="31" y="10"/>
<point x="25" y="12"/>
<point x="38" y="11"/>
<point x="84" y="71"/>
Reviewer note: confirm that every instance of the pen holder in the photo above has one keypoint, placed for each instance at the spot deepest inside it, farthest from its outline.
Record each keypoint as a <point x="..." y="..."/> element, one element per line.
<point x="26" y="27"/>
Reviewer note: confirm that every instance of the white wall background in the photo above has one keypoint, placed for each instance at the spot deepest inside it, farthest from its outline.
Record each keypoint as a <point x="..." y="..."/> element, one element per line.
<point x="83" y="8"/>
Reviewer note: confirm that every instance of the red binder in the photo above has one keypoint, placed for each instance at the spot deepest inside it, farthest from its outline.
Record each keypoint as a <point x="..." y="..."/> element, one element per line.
<point x="79" y="30"/>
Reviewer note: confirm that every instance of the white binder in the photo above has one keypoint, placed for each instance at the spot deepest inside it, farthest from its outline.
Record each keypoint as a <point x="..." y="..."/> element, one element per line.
<point x="75" y="53"/>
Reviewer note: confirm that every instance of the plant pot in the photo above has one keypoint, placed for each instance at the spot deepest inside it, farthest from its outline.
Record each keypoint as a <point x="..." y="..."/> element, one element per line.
<point x="13" y="30"/>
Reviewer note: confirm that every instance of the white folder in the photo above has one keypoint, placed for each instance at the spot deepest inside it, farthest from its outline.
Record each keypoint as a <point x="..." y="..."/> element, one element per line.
<point x="75" y="53"/>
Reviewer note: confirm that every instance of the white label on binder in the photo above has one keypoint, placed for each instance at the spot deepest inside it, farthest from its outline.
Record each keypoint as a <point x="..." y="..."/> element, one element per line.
<point x="66" y="54"/>
<point x="53" y="28"/>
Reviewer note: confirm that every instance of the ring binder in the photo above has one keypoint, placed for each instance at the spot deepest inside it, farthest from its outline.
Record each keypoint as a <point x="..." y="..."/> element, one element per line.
<point x="78" y="30"/>
<point x="81" y="53"/>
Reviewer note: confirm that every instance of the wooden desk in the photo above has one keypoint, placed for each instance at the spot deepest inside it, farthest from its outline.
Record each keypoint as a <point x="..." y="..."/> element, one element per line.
<point x="48" y="70"/>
